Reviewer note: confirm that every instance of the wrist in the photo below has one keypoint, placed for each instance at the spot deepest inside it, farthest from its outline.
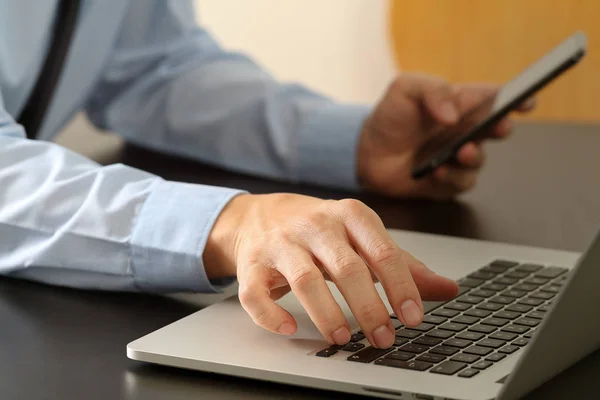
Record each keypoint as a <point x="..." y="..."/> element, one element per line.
<point x="219" y="255"/>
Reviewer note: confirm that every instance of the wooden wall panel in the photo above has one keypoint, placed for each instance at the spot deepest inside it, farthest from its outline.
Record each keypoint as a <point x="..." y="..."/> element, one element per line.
<point x="467" y="40"/>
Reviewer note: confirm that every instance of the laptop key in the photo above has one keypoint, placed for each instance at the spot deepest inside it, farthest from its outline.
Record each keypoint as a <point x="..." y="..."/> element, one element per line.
<point x="369" y="354"/>
<point x="448" y="368"/>
<point x="412" y="365"/>
<point x="482" y="293"/>
<point x="468" y="373"/>
<point x="328" y="352"/>
<point x="516" y="329"/>
<point x="482" y="365"/>
<point x="506" y="336"/>
<point x="450" y="326"/>
<point x="505" y="280"/>
<point x="495" y="321"/>
<point x="490" y="306"/>
<point x="493" y="268"/>
<point x="550" y="272"/>
<point x="481" y="328"/>
<point x="469" y="299"/>
<point x="445" y="312"/>
<point x="478" y="350"/>
<point x="468" y="335"/>
<point x="529" y="267"/>
<point x="501" y="300"/>
<point x="493" y="343"/>
<point x="438" y="333"/>
<point x="495" y="357"/>
<point x="520" y="308"/>
<point x="513" y="293"/>
<point x="525" y="286"/>
<point x="432" y="358"/>
<point x="483" y="275"/>
<point x="398" y="341"/>
<point x="531" y="322"/>
<point x="509" y="349"/>
<point x="529" y="301"/>
<point x="357" y="337"/>
<point x="408" y="333"/>
<point x="536" y="314"/>
<point x="545" y="308"/>
<point x="465" y="319"/>
<point x="414" y="348"/>
<point x="504" y="263"/>
<point x="470" y="282"/>
<point x="507" y="314"/>
<point x="521" y="342"/>
<point x="424" y="327"/>
<point x="352" y="347"/>
<point x="460" y="343"/>
<point x="529" y="334"/>
<point x="552" y="289"/>
<point x="433" y="319"/>
<point x="496" y="287"/>
<point x="536" y="281"/>
<point x="517" y="274"/>
<point x="397" y="324"/>
<point x="543" y="295"/>
<point x="427" y="341"/>
<point x="444" y="350"/>
<point x="476" y="312"/>
<point x="400" y="355"/>
<point x="466" y="358"/>
<point x="458" y="306"/>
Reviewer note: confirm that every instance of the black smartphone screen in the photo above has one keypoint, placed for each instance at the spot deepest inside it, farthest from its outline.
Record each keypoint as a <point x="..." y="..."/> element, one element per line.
<point x="477" y="123"/>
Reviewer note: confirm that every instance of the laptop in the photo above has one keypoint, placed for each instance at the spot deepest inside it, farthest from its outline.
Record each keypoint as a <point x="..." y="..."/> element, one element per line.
<point x="523" y="315"/>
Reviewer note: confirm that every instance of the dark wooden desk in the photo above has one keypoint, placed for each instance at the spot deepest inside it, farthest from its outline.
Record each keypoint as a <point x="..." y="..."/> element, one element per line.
<point x="540" y="188"/>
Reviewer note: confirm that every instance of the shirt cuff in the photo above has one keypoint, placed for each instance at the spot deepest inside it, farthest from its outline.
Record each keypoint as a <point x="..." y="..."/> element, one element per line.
<point x="328" y="146"/>
<point x="170" y="235"/>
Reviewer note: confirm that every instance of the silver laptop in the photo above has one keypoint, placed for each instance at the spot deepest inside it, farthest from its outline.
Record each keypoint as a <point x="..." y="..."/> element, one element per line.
<point x="524" y="315"/>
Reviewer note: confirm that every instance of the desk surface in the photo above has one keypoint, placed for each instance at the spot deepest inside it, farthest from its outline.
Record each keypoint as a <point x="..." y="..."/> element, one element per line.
<point x="539" y="188"/>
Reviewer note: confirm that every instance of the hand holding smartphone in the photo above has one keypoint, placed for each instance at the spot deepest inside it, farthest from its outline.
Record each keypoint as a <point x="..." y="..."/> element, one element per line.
<point x="476" y="124"/>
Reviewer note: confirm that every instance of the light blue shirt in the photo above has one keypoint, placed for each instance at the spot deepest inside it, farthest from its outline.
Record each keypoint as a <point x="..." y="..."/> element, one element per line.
<point x="144" y="69"/>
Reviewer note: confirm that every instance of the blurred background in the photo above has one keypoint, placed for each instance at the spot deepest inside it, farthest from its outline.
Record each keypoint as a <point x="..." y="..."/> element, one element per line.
<point x="351" y="49"/>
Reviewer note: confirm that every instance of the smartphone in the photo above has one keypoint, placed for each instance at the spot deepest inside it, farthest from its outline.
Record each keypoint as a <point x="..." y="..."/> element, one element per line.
<point x="477" y="123"/>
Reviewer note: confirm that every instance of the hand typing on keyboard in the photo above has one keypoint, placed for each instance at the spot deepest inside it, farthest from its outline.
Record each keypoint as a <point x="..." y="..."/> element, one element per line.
<point x="283" y="242"/>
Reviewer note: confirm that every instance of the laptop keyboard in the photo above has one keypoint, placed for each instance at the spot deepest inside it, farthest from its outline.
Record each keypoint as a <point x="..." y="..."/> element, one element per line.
<point x="495" y="314"/>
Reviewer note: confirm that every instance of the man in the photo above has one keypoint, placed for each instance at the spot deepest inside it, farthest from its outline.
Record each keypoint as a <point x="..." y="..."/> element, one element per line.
<point x="143" y="69"/>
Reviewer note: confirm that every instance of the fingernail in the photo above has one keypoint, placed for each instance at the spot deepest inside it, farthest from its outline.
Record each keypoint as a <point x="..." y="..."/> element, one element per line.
<point x="411" y="312"/>
<point x="287" y="329"/>
<point x="341" y="336"/>
<point x="384" y="338"/>
<point x="449" y="112"/>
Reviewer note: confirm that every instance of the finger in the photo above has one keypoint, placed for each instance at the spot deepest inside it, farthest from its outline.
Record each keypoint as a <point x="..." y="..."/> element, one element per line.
<point x="434" y="93"/>
<point x="353" y="278"/>
<point x="470" y="156"/>
<point x="432" y="287"/>
<point x="386" y="259"/>
<point x="309" y="286"/>
<point x="528" y="105"/>
<point x="255" y="297"/>
<point x="470" y="95"/>
<point x="453" y="180"/>
<point x="502" y="129"/>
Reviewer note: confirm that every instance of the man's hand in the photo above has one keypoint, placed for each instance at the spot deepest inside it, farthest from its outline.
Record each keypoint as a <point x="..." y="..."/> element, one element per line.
<point x="280" y="242"/>
<point x="414" y="108"/>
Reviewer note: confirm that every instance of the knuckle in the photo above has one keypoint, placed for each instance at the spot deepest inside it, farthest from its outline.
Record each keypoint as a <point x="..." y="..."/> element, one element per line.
<point x="263" y="317"/>
<point x="346" y="265"/>
<point x="304" y="278"/>
<point x="247" y="294"/>
<point x="368" y="311"/>
<point x="352" y="206"/>
<point x="385" y="252"/>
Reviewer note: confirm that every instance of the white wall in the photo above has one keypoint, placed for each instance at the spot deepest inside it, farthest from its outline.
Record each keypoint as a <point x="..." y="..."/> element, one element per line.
<point x="338" y="47"/>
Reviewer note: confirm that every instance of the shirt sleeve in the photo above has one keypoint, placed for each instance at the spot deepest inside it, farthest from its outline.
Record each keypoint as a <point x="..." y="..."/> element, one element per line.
<point x="169" y="86"/>
<point x="68" y="221"/>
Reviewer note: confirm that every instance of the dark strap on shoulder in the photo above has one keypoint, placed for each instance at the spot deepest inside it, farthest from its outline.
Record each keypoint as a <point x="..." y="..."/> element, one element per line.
<point x="40" y="97"/>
